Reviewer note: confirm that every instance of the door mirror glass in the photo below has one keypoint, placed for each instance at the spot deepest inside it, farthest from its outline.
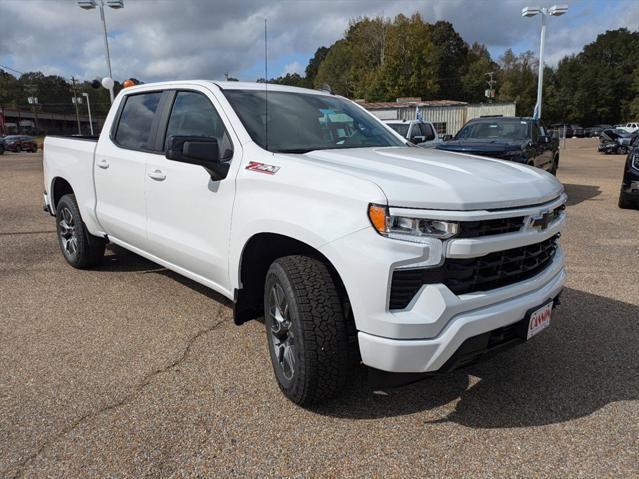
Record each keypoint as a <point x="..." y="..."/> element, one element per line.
<point x="447" y="137"/>
<point x="418" y="139"/>
<point x="198" y="150"/>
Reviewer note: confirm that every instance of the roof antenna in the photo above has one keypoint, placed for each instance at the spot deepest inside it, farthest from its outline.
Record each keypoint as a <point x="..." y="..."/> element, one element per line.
<point x="266" y="83"/>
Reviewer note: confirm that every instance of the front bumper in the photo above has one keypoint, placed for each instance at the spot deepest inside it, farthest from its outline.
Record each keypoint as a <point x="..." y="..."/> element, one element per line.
<point x="424" y="335"/>
<point x="632" y="189"/>
<point x="429" y="355"/>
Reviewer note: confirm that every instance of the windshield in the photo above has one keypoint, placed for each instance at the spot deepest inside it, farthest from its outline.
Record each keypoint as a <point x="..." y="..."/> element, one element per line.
<point x="504" y="130"/>
<point x="401" y="128"/>
<point x="301" y="122"/>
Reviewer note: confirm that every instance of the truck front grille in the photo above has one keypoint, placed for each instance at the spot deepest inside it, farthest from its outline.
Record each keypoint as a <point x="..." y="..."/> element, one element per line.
<point x="470" y="275"/>
<point x="474" y="229"/>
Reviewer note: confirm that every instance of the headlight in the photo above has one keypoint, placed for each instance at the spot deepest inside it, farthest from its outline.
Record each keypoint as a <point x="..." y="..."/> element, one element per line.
<point x="407" y="228"/>
<point x="635" y="161"/>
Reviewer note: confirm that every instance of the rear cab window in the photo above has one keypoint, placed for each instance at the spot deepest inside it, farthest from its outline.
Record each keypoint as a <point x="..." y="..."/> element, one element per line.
<point x="135" y="125"/>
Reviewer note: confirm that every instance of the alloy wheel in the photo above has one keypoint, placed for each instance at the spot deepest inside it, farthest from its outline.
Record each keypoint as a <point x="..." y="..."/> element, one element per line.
<point x="68" y="233"/>
<point x="283" y="340"/>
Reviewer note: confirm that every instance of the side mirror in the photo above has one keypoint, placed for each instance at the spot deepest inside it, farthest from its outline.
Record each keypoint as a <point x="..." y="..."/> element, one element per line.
<point x="198" y="150"/>
<point x="418" y="139"/>
<point x="447" y="137"/>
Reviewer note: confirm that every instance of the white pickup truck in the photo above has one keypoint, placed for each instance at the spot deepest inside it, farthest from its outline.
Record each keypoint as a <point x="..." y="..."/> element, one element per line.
<point x="419" y="132"/>
<point x="306" y="210"/>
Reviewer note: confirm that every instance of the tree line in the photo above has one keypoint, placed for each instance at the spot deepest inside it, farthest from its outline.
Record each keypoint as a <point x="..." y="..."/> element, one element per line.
<point x="381" y="59"/>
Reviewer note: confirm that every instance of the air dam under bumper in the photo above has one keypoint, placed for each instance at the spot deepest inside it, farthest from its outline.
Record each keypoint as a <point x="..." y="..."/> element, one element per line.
<point x="429" y="355"/>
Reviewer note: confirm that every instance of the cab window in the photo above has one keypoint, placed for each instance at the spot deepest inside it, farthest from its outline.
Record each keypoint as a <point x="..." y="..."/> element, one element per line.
<point x="136" y="121"/>
<point x="194" y="115"/>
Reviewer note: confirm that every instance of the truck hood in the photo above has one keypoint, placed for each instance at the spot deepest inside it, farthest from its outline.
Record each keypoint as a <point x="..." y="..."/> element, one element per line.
<point x="433" y="179"/>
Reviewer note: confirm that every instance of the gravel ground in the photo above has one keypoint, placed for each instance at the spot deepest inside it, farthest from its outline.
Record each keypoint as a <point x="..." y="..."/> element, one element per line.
<point x="130" y="370"/>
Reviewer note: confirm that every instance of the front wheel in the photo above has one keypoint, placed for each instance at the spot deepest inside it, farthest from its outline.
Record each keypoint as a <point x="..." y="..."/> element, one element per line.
<point x="306" y="330"/>
<point x="554" y="166"/>
<point x="79" y="247"/>
<point x="625" y="201"/>
<point x="18" y="149"/>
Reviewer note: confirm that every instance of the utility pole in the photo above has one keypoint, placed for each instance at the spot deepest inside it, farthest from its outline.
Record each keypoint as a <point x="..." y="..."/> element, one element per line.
<point x="32" y="90"/>
<point x="226" y="76"/>
<point x="75" y="103"/>
<point x="490" y="93"/>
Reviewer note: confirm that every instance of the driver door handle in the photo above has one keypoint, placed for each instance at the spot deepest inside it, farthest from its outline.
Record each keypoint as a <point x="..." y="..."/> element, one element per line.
<point x="104" y="164"/>
<point x="157" y="175"/>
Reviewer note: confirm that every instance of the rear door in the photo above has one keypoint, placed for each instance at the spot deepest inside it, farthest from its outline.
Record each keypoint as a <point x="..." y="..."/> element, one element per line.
<point x="120" y="168"/>
<point x="189" y="214"/>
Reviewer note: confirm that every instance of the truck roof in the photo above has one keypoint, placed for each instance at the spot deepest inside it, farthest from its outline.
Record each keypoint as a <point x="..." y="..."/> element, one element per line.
<point x="230" y="85"/>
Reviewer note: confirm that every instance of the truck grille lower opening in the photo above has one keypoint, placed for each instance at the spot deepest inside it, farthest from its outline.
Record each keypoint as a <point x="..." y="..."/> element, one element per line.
<point x="470" y="275"/>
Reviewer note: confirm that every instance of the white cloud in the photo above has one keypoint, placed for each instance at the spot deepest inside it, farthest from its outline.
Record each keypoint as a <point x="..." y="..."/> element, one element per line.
<point x="167" y="39"/>
<point x="294" y="67"/>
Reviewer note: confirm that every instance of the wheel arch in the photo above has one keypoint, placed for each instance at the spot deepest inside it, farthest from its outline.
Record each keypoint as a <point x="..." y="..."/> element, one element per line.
<point x="59" y="188"/>
<point x="258" y="253"/>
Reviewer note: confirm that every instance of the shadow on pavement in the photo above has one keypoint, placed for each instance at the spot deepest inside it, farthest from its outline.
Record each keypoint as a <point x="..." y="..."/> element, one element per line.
<point x="118" y="259"/>
<point x="578" y="193"/>
<point x="584" y="361"/>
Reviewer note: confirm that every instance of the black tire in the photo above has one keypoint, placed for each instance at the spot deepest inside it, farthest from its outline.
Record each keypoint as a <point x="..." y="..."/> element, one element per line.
<point x="80" y="248"/>
<point x="18" y="149"/>
<point x="34" y="149"/>
<point x="555" y="166"/>
<point x="626" y="201"/>
<point x="311" y="325"/>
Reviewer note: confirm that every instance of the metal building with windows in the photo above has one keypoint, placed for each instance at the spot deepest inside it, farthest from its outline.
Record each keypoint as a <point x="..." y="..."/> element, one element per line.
<point x="448" y="116"/>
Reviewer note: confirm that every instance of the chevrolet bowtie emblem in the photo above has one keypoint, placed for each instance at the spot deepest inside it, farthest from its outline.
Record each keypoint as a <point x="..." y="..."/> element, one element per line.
<point x="541" y="221"/>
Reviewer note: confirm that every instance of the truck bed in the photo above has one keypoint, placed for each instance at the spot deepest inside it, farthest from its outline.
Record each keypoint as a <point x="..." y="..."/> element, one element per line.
<point x="71" y="158"/>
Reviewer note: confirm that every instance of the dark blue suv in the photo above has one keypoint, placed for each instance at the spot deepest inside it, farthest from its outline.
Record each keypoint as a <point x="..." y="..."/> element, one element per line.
<point x="629" y="194"/>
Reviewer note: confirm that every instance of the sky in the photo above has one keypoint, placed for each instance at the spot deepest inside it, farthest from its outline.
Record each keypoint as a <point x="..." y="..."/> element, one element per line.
<point x="155" y="40"/>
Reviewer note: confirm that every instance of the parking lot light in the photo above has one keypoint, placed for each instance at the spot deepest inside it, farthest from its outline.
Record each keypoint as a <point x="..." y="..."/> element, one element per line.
<point x="114" y="4"/>
<point x="554" y="11"/>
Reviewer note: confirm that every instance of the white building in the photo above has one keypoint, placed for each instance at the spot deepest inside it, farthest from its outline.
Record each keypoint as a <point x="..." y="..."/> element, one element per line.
<point x="448" y="116"/>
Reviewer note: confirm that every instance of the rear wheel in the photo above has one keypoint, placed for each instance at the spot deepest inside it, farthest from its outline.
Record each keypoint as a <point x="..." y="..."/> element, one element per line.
<point x="80" y="248"/>
<point x="34" y="149"/>
<point x="306" y="330"/>
<point x="626" y="201"/>
<point x="18" y="149"/>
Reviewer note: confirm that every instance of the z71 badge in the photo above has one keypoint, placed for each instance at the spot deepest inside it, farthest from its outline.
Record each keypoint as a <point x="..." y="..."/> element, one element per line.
<point x="262" y="167"/>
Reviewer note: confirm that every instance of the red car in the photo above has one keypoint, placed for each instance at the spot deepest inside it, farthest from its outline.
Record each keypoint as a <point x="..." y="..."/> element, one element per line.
<point x="18" y="143"/>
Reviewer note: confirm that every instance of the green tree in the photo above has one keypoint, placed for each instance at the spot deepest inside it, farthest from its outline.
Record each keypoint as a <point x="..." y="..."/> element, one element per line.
<point x="451" y="59"/>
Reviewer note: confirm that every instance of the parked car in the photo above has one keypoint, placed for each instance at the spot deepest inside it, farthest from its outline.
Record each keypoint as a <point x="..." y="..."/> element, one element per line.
<point x="629" y="194"/>
<point x="421" y="133"/>
<point x="362" y="247"/>
<point x="578" y="131"/>
<point x="522" y="140"/>
<point x="595" y="131"/>
<point x="629" y="127"/>
<point x="615" y="141"/>
<point x="561" y="130"/>
<point x="18" y="143"/>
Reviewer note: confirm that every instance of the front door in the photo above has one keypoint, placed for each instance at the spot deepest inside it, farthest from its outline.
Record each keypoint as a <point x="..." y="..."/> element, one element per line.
<point x="189" y="214"/>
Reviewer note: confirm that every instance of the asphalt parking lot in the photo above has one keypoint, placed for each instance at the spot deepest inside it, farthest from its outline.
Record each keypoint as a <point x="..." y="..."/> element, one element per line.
<point x="130" y="370"/>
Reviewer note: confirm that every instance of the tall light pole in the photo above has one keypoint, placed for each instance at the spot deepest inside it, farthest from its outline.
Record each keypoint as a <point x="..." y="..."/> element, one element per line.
<point x="554" y="11"/>
<point x="90" y="5"/>
<point x="86" y="95"/>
